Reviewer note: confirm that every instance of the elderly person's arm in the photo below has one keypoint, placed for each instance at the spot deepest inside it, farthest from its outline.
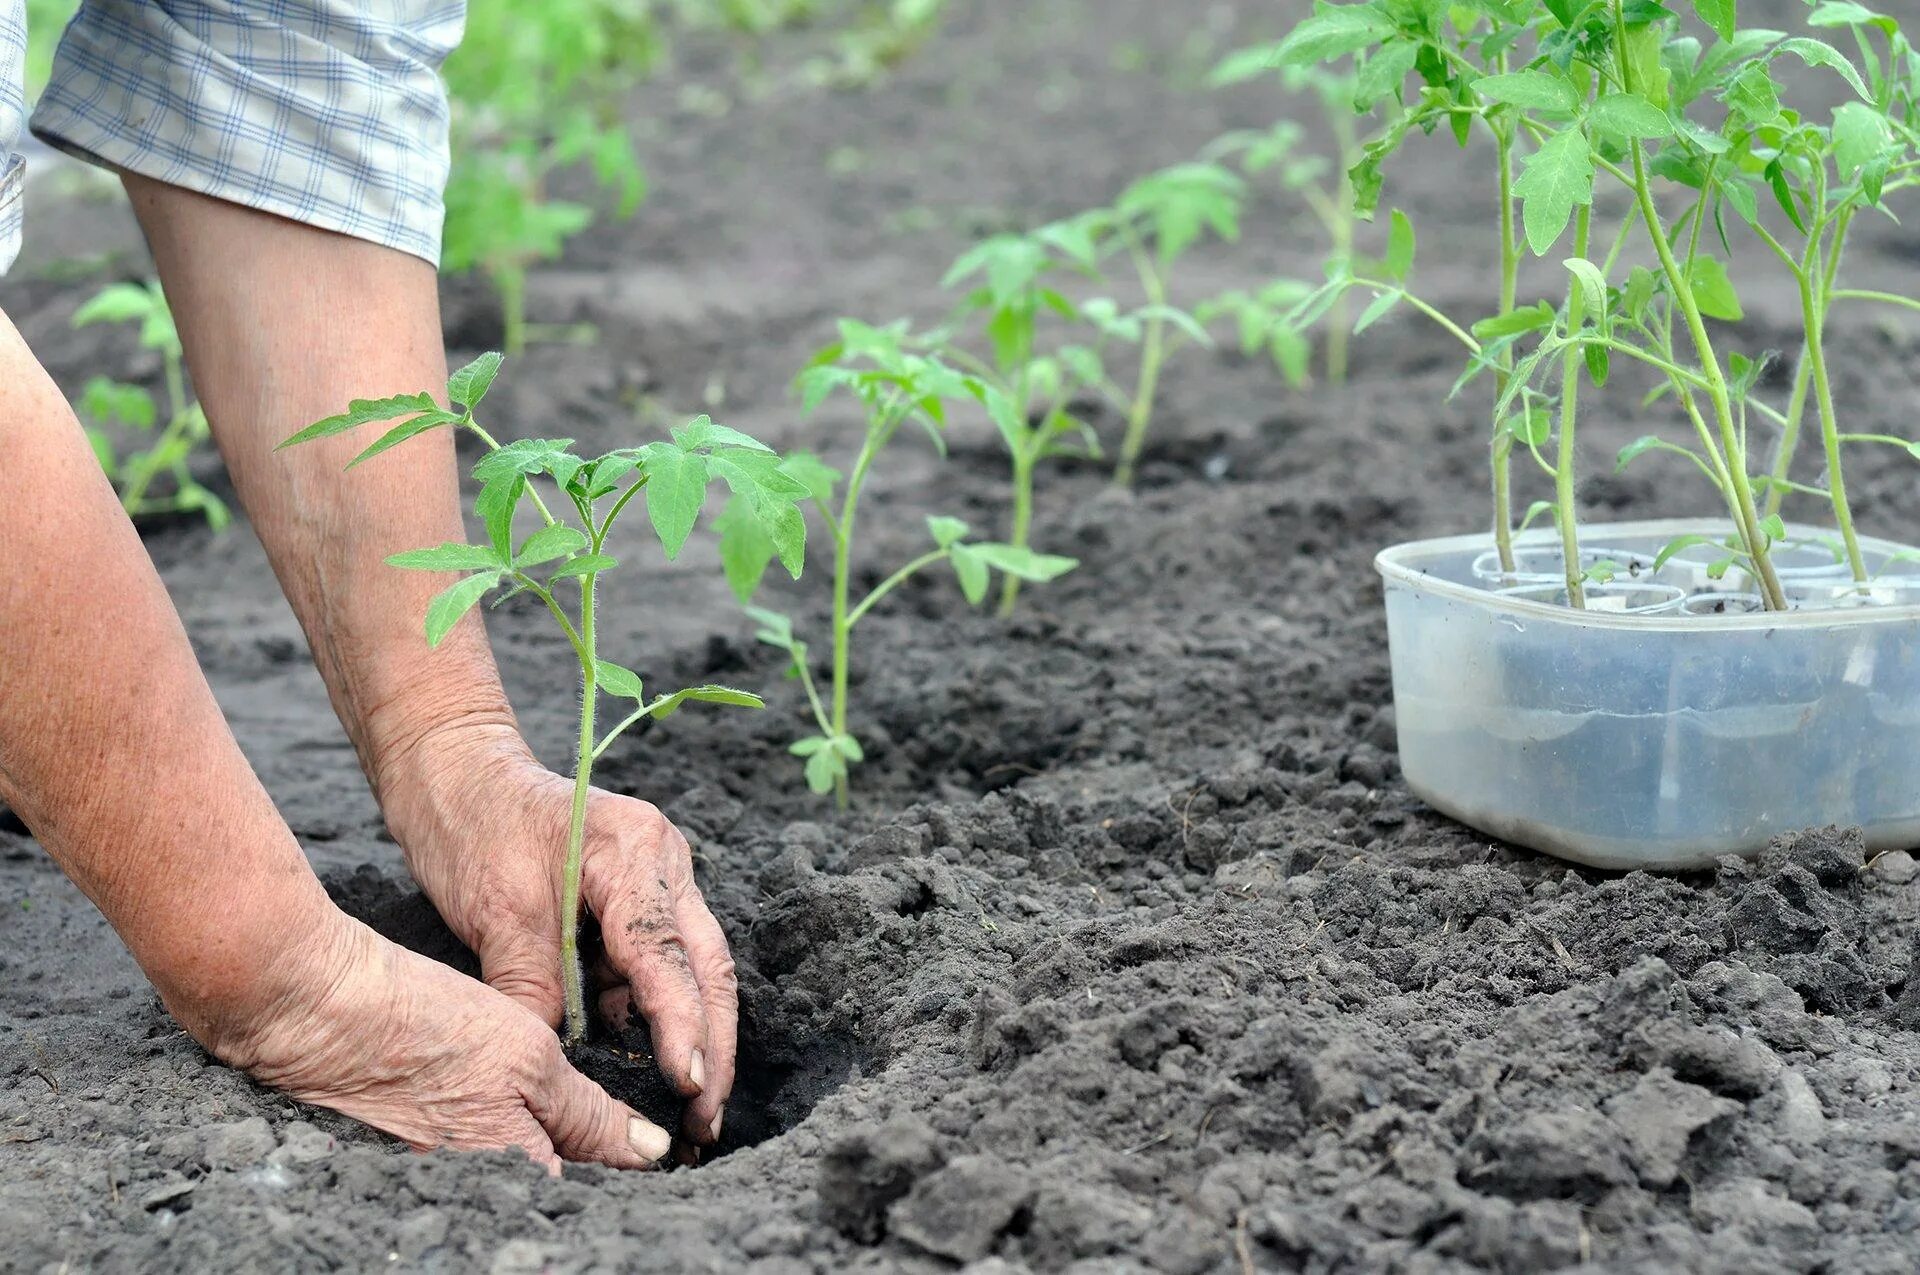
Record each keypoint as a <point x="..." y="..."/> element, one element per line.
<point x="114" y="753"/>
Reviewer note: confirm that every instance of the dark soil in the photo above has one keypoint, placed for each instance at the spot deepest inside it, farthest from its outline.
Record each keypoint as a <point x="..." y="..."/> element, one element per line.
<point x="1136" y="954"/>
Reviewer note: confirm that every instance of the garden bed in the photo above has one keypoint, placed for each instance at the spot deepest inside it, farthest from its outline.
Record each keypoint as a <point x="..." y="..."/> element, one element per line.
<point x="1135" y="949"/>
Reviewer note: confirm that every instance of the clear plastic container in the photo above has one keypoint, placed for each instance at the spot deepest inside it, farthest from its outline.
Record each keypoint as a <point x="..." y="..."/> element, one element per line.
<point x="1655" y="736"/>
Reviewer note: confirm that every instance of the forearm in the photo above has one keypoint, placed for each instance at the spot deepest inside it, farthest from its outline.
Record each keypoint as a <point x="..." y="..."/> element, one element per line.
<point x="112" y="748"/>
<point x="283" y="324"/>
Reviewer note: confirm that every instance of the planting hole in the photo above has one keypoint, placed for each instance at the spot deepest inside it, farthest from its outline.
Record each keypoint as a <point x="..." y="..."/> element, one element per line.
<point x="781" y="1075"/>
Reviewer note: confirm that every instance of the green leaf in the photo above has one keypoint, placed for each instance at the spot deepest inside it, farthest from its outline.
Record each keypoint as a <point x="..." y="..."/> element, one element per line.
<point x="365" y="411"/>
<point x="1332" y="33"/>
<point x="1773" y="527"/>
<point x="1532" y="318"/>
<point x="1400" y="248"/>
<point x="972" y="571"/>
<point x="1714" y="292"/>
<point x="618" y="681"/>
<point x="495" y="505"/>
<point x="585" y="564"/>
<point x="946" y="531"/>
<point x="1025" y="563"/>
<point x="530" y="456"/>
<point x="1557" y="180"/>
<point x="818" y="477"/>
<point x="117" y="303"/>
<point x="455" y="601"/>
<point x="1377" y="310"/>
<point x="667" y="705"/>
<point x="1819" y="53"/>
<point x="1676" y="545"/>
<point x="449" y="557"/>
<point x="1860" y="135"/>
<point x="1627" y="115"/>
<point x="1530" y="90"/>
<point x="824" y="771"/>
<point x="1592" y="291"/>
<point x="1533" y="425"/>
<point x="703" y="431"/>
<point x="676" y="493"/>
<point x="1718" y="14"/>
<point x="1599" y="360"/>
<point x="1753" y="95"/>
<point x="555" y="540"/>
<point x="470" y="384"/>
<point x="745" y="549"/>
<point x="769" y="494"/>
<point x="402" y="432"/>
<point x="775" y="629"/>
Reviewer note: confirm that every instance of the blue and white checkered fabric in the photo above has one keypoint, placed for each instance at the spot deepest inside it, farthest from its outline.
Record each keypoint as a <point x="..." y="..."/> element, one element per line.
<point x="328" y="112"/>
<point x="13" y="175"/>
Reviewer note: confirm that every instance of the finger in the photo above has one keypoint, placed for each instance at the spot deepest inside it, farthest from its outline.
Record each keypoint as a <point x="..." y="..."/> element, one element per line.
<point x="616" y="1007"/>
<point x="643" y="937"/>
<point x="712" y="965"/>
<point x="585" y="1124"/>
<point x="528" y="973"/>
<point x="533" y="1140"/>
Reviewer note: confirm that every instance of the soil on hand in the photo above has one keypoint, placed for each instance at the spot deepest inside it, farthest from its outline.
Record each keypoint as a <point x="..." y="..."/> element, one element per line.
<point x="1135" y="952"/>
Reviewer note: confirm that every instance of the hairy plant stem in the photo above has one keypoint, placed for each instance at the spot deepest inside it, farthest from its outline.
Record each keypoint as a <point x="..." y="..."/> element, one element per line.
<point x="510" y="282"/>
<point x="571" y="973"/>
<point x="1152" y="355"/>
<point x="1563" y="466"/>
<point x="1740" y="489"/>
<point x="178" y="421"/>
<point x="1509" y="293"/>
<point x="1815" y="320"/>
<point x="1022" y="524"/>
<point x="843" y="615"/>
<point x="1680" y="285"/>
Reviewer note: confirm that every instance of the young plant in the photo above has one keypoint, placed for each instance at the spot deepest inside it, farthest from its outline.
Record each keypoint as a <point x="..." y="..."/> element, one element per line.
<point x="1155" y="221"/>
<point x="896" y="386"/>
<point x="1027" y="391"/>
<point x="564" y="558"/>
<point x="157" y="479"/>
<point x="1325" y="188"/>
<point x="1574" y="90"/>
<point x="535" y="92"/>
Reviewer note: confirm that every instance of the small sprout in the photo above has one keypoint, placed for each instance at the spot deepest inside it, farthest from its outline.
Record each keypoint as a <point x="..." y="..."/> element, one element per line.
<point x="106" y="406"/>
<point x="896" y="385"/>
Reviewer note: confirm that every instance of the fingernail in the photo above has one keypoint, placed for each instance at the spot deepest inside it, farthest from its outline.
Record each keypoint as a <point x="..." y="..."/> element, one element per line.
<point x="713" y="1130"/>
<point x="697" y="1070"/>
<point x="649" y="1139"/>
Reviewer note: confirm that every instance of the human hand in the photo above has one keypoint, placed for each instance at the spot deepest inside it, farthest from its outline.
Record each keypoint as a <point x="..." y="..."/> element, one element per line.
<point x="404" y="1044"/>
<point x="484" y="828"/>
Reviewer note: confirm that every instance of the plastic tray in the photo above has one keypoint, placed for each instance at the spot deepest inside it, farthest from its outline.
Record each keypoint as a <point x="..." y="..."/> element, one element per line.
<point x="1644" y="736"/>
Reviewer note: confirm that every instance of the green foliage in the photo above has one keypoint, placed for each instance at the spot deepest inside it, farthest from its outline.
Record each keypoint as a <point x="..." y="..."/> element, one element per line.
<point x="565" y="556"/>
<point x="152" y="478"/>
<point x="1681" y="112"/>
<point x="536" y="91"/>
<point x="895" y="383"/>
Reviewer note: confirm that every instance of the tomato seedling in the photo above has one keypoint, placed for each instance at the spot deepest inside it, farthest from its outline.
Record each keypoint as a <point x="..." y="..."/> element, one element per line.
<point x="1154" y="222"/>
<point x="536" y="92"/>
<point x="106" y="405"/>
<point x="896" y="386"/>
<point x="1027" y="390"/>
<point x="1321" y="183"/>
<point x="568" y="556"/>
<point x="1576" y="90"/>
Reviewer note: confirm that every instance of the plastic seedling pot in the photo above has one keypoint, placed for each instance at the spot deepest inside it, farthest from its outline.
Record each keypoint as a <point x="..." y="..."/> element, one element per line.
<point x="1670" y="723"/>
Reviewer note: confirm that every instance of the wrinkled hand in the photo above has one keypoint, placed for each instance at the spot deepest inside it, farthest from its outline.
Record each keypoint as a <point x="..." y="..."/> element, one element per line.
<point x="485" y="834"/>
<point x="432" y="1057"/>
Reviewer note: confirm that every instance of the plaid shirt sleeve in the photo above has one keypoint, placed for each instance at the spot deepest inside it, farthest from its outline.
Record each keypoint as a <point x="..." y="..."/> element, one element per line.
<point x="13" y="52"/>
<point x="328" y="112"/>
